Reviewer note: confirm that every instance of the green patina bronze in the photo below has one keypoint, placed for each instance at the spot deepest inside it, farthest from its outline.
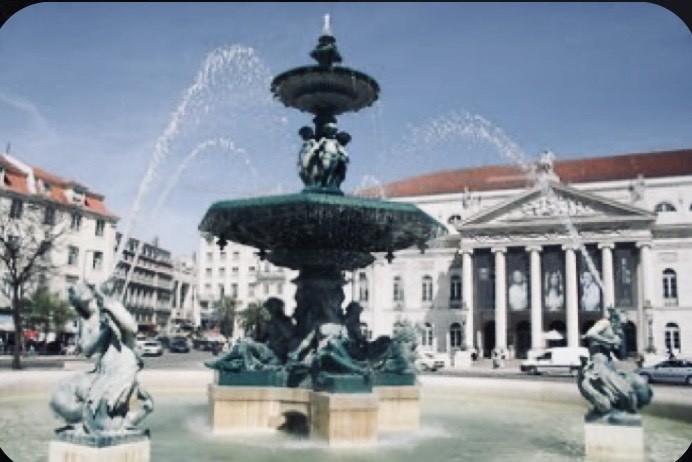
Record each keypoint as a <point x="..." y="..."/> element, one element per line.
<point x="313" y="224"/>
<point x="321" y="232"/>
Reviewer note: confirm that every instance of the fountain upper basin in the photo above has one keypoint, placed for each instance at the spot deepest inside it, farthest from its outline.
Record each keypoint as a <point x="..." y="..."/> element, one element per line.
<point x="319" y="90"/>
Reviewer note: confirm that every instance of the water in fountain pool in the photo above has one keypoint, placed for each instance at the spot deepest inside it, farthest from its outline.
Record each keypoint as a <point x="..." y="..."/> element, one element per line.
<point x="454" y="428"/>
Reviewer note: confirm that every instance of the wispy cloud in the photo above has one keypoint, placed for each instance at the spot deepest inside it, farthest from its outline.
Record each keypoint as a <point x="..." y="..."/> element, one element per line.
<point x="28" y="108"/>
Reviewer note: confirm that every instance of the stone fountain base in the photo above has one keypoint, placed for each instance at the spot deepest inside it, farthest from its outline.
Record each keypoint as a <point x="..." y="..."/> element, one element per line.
<point x="129" y="451"/>
<point x="339" y="419"/>
<point x="611" y="442"/>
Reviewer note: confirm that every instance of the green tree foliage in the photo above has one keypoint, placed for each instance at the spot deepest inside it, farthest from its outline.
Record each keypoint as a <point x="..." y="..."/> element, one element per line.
<point x="46" y="310"/>
<point x="226" y="311"/>
<point x="254" y="321"/>
<point x="30" y="238"/>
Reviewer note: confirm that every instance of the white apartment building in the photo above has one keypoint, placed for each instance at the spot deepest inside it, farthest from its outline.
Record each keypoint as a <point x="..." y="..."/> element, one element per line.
<point x="144" y="283"/>
<point x="85" y="250"/>
<point x="237" y="271"/>
<point x="184" y="296"/>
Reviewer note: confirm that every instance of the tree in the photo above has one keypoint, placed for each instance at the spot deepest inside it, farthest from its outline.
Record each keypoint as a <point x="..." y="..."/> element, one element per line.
<point x="27" y="239"/>
<point x="254" y="320"/>
<point x="226" y="311"/>
<point x="45" y="310"/>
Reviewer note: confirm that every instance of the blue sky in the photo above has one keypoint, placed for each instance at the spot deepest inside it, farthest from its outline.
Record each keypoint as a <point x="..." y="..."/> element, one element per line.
<point x="88" y="89"/>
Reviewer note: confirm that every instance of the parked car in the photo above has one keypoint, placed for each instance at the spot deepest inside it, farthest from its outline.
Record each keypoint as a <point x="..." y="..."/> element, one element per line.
<point x="179" y="345"/>
<point x="429" y="361"/>
<point x="208" y="344"/>
<point x="555" y="360"/>
<point x="164" y="340"/>
<point x="151" y="348"/>
<point x="671" y="371"/>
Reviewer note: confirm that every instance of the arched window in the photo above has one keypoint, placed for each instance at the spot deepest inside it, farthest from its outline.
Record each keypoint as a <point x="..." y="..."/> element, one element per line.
<point x="670" y="287"/>
<point x="426" y="339"/>
<point x="664" y="207"/>
<point x="427" y="294"/>
<point x="455" y="288"/>
<point x="398" y="289"/>
<point x="362" y="287"/>
<point x="455" y="335"/>
<point x="672" y="338"/>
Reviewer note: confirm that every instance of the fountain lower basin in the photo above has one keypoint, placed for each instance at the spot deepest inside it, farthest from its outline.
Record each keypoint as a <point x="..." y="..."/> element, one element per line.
<point x="335" y="230"/>
<point x="462" y="419"/>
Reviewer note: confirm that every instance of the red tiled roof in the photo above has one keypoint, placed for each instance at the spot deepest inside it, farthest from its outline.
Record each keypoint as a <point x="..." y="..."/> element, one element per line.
<point x="47" y="176"/>
<point x="16" y="180"/>
<point x="620" y="167"/>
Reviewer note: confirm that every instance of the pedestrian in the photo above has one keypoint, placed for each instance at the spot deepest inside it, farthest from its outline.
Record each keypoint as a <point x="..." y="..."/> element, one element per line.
<point x="496" y="359"/>
<point x="640" y="361"/>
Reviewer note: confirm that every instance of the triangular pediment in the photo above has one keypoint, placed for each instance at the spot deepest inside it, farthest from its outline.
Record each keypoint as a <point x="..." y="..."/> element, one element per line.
<point x="551" y="204"/>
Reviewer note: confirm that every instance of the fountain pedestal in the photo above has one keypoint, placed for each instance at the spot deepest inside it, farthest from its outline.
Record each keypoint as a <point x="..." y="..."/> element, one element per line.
<point x="337" y="418"/>
<point x="399" y="408"/>
<point x="131" y="451"/>
<point x="344" y="419"/>
<point x="238" y="408"/>
<point x="609" y="442"/>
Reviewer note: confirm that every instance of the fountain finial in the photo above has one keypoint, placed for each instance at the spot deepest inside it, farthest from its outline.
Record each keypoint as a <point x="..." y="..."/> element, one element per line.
<point x="326" y="26"/>
<point x="326" y="53"/>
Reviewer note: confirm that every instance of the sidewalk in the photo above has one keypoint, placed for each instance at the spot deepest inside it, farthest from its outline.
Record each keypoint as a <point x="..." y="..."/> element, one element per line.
<point x="483" y="367"/>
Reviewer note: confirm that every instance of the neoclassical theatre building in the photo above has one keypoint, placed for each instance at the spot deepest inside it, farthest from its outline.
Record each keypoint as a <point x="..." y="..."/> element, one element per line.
<point x="531" y="256"/>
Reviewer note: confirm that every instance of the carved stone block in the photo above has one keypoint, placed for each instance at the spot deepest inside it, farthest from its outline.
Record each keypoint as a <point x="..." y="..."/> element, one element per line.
<point x="344" y="419"/>
<point x="606" y="442"/>
<point x="62" y="451"/>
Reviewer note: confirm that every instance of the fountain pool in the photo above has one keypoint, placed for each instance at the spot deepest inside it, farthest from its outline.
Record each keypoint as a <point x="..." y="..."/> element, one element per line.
<point x="463" y="419"/>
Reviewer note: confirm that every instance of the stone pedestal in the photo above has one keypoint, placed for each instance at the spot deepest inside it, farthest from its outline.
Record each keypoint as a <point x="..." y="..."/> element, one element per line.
<point x="606" y="442"/>
<point x="344" y="419"/>
<point x="462" y="360"/>
<point x="399" y="408"/>
<point x="62" y="451"/>
<point x="254" y="408"/>
<point x="338" y="418"/>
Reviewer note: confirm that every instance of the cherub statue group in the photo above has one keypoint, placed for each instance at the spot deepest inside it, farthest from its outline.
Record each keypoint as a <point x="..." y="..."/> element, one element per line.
<point x="322" y="162"/>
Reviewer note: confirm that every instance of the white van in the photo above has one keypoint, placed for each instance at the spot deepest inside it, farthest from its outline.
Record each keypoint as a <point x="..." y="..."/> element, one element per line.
<point x="559" y="360"/>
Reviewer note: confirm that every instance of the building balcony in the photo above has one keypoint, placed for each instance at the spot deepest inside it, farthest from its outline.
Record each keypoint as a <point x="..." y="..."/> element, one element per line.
<point x="455" y="304"/>
<point x="670" y="302"/>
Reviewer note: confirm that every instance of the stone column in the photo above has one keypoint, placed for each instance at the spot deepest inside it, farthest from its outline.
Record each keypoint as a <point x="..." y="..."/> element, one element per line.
<point x="500" y="299"/>
<point x="646" y="280"/>
<point x="536" y="298"/>
<point x="607" y="275"/>
<point x="467" y="295"/>
<point x="571" y="297"/>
